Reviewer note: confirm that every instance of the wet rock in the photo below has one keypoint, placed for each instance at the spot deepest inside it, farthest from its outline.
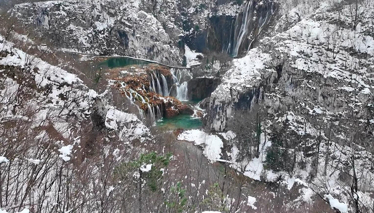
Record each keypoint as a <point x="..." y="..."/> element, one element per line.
<point x="169" y="113"/>
<point x="185" y="109"/>
<point x="200" y="88"/>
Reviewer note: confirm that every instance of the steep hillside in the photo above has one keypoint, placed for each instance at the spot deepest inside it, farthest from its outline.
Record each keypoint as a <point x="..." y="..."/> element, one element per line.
<point x="186" y="106"/>
<point x="310" y="89"/>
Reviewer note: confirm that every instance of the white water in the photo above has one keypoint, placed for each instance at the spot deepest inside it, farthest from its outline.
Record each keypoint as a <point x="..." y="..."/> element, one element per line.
<point x="158" y="113"/>
<point x="136" y="95"/>
<point x="156" y="84"/>
<point x="153" y="83"/>
<point x="165" y="84"/>
<point x="182" y="91"/>
<point x="247" y="22"/>
<point x="151" y="113"/>
<point x="181" y="78"/>
<point x="158" y="87"/>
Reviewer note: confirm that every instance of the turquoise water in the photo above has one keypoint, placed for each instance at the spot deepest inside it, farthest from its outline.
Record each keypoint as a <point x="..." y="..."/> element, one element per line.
<point x="122" y="62"/>
<point x="180" y="122"/>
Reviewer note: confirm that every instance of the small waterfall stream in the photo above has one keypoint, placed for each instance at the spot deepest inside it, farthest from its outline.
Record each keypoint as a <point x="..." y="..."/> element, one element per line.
<point x="165" y="86"/>
<point x="182" y="91"/>
<point x="151" y="113"/>
<point x="181" y="78"/>
<point x="158" y="113"/>
<point x="159" y="88"/>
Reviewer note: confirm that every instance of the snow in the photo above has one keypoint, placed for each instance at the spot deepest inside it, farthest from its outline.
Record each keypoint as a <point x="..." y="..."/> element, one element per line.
<point x="146" y="168"/>
<point x="3" y="159"/>
<point x="334" y="203"/>
<point x="65" y="152"/>
<point x="23" y="211"/>
<point x="348" y="89"/>
<point x="129" y="126"/>
<point x="108" y="191"/>
<point x="212" y="144"/>
<point x="229" y="135"/>
<point x="307" y="194"/>
<point x="191" y="56"/>
<point x="34" y="161"/>
<point x="255" y="167"/>
<point x="366" y="91"/>
<point x="251" y="201"/>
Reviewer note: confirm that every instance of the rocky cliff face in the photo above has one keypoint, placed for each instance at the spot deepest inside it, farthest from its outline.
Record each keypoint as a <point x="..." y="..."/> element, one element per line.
<point x="316" y="60"/>
<point x="314" y="82"/>
<point x="153" y="30"/>
<point x="102" y="27"/>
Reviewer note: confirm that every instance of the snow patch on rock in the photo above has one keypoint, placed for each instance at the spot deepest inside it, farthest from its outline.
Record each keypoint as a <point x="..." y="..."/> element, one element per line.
<point x="212" y="144"/>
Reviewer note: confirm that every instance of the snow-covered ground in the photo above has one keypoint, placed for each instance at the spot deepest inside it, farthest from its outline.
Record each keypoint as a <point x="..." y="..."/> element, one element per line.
<point x="212" y="144"/>
<point x="53" y="112"/>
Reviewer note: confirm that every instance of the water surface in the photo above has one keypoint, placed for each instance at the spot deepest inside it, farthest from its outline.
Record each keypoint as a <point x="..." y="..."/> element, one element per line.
<point x="180" y="122"/>
<point x="115" y="62"/>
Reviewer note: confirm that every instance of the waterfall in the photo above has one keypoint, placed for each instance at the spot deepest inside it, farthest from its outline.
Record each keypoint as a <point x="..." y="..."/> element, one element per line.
<point x="158" y="88"/>
<point x="181" y="78"/>
<point x="249" y="23"/>
<point x="158" y="112"/>
<point x="243" y="28"/>
<point x="182" y="91"/>
<point x="159" y="84"/>
<point x="153" y="84"/>
<point x="151" y="114"/>
<point x="165" y="86"/>
<point x="137" y="95"/>
<point x="155" y="80"/>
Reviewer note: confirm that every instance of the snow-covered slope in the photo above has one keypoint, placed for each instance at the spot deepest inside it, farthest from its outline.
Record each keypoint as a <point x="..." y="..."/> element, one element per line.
<point x="49" y="122"/>
<point x="312" y="87"/>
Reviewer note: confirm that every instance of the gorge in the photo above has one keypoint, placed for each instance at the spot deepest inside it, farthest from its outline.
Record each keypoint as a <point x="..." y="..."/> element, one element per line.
<point x="186" y="106"/>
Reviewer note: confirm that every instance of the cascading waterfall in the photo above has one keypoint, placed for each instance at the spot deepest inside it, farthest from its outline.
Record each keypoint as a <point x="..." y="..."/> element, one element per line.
<point x="181" y="78"/>
<point x="156" y="86"/>
<point x="182" y="91"/>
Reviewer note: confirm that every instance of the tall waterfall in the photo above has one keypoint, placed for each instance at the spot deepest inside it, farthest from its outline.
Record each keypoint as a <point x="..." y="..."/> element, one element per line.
<point x="241" y="27"/>
<point x="249" y="23"/>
